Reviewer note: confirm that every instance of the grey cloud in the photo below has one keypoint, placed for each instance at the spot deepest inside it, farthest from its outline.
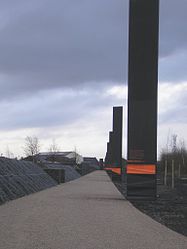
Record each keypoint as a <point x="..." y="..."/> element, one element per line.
<point x="174" y="116"/>
<point x="173" y="32"/>
<point x="175" y="113"/>
<point x="58" y="57"/>
<point x="69" y="43"/>
<point x="173" y="68"/>
<point x="65" y="43"/>
<point x="54" y="108"/>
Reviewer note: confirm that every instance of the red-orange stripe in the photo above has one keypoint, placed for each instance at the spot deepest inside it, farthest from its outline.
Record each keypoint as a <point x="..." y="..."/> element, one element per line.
<point x="115" y="170"/>
<point x="141" y="169"/>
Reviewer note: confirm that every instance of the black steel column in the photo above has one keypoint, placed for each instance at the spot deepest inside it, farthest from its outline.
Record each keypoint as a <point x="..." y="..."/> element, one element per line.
<point x="107" y="155"/>
<point x="117" y="130"/>
<point x="111" y="148"/>
<point x="101" y="163"/>
<point x="142" y="98"/>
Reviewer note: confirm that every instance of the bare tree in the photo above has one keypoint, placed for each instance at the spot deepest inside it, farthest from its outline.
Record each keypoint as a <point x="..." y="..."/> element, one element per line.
<point x="174" y="143"/>
<point x="8" y="153"/>
<point x="176" y="151"/>
<point x="182" y="151"/>
<point x="78" y="158"/>
<point x="168" y="141"/>
<point x="54" y="147"/>
<point x="32" y="146"/>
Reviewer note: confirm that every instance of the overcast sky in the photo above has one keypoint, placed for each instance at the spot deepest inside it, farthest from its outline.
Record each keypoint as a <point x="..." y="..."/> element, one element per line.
<point x="63" y="65"/>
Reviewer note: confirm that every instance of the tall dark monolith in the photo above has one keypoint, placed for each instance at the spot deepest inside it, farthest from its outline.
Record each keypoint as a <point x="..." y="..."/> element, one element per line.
<point x="108" y="157"/>
<point x="101" y="163"/>
<point x="117" y="130"/>
<point x="111" y="148"/>
<point x="142" y="99"/>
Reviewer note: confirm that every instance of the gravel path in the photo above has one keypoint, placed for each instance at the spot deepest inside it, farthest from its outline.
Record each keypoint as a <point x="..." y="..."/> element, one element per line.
<point x="88" y="213"/>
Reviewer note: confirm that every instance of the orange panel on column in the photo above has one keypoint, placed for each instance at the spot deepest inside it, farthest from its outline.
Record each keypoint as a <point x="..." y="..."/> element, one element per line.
<point x="115" y="170"/>
<point x="146" y="169"/>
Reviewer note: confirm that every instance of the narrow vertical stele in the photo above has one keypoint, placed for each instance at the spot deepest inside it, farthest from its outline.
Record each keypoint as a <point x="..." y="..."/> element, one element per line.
<point x="113" y="159"/>
<point x="111" y="148"/>
<point x="117" y="130"/>
<point x="109" y="154"/>
<point x="142" y="98"/>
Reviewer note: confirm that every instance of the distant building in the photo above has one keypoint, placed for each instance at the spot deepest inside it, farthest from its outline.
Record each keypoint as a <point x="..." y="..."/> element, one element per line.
<point x="68" y="157"/>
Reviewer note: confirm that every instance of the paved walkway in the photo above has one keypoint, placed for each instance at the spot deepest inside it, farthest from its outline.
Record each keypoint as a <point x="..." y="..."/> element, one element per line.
<point x="88" y="213"/>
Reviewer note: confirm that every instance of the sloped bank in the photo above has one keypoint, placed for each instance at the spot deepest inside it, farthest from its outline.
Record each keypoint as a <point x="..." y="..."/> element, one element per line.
<point x="20" y="178"/>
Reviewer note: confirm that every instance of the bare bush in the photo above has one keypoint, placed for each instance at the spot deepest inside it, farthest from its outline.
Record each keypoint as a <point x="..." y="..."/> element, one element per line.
<point x="32" y="146"/>
<point x="54" y="148"/>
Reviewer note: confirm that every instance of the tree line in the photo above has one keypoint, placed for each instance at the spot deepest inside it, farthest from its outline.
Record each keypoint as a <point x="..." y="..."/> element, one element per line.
<point x="32" y="146"/>
<point x="175" y="150"/>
